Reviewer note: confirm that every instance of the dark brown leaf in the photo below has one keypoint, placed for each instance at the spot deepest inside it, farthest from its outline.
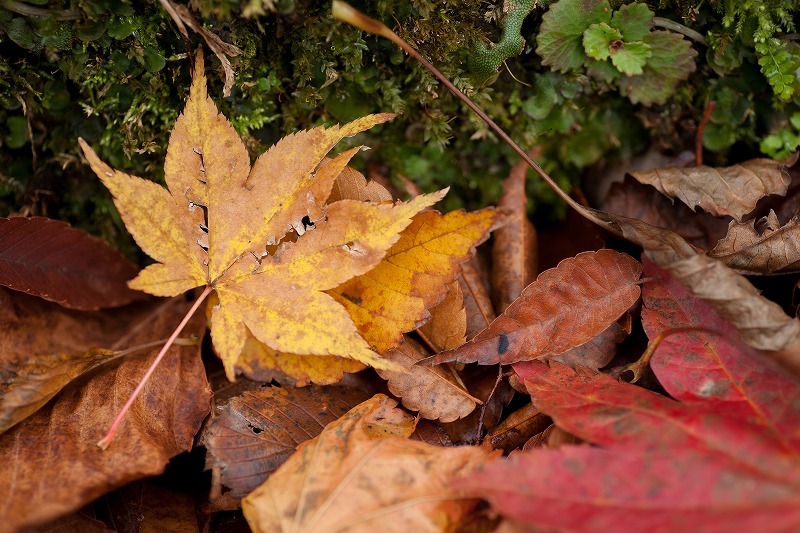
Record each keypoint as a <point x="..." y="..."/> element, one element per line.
<point x="49" y="259"/>
<point x="256" y="432"/>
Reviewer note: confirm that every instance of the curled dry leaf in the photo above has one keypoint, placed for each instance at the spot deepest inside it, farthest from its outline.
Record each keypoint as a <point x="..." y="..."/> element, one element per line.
<point x="730" y="191"/>
<point x="393" y="298"/>
<point x="447" y="328"/>
<point x="360" y="474"/>
<point x="565" y="307"/>
<point x="222" y="224"/>
<point x="352" y="185"/>
<point x="253" y="434"/>
<point x="770" y="249"/>
<point x="59" y="439"/>
<point x="51" y="260"/>
<point x="514" y="249"/>
<point x="433" y="391"/>
<point x="643" y="202"/>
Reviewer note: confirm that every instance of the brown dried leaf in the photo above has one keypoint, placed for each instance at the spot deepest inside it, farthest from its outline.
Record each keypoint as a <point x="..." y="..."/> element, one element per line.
<point x="597" y="352"/>
<point x="520" y="426"/>
<point x="770" y="249"/>
<point x="514" y="249"/>
<point x="477" y="303"/>
<point x="733" y="190"/>
<point x="447" y="328"/>
<point x="433" y="391"/>
<point x="357" y="477"/>
<point x="254" y="433"/>
<point x="565" y="307"/>
<point x="57" y="467"/>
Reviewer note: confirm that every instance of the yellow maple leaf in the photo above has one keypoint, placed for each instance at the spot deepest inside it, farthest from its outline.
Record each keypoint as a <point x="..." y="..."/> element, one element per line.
<point x="222" y="224"/>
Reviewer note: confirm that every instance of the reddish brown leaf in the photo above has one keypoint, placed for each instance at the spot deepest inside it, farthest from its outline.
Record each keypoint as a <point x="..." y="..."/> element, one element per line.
<point x="597" y="352"/>
<point x="56" y="464"/>
<point x="565" y="307"/>
<point x="716" y="370"/>
<point x="256" y="432"/>
<point x="49" y="259"/>
<point x="586" y="489"/>
<point x="513" y="432"/>
<point x="730" y="191"/>
<point x="514" y="248"/>
<point x="769" y="249"/>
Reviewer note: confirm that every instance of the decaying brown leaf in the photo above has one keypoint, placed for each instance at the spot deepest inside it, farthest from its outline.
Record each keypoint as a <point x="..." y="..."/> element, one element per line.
<point x="520" y="426"/>
<point x="360" y="474"/>
<point x="769" y="249"/>
<point x="433" y="391"/>
<point x="447" y="328"/>
<point x="254" y="433"/>
<point x="514" y="250"/>
<point x="733" y="190"/>
<point x="55" y="465"/>
<point x="598" y="351"/>
<point x="565" y="307"/>
<point x="352" y="185"/>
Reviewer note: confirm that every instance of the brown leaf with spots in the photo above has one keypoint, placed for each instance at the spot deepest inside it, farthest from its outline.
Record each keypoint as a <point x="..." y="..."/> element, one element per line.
<point x="360" y="474"/>
<point x="514" y="249"/>
<point x="433" y="391"/>
<point x="565" y="307"/>
<point x="253" y="434"/>
<point x="57" y="467"/>
<point x="733" y="190"/>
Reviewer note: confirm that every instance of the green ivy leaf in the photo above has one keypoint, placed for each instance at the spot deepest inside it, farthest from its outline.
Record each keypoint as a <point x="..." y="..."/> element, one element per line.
<point x="634" y="21"/>
<point x="672" y="61"/>
<point x="598" y="39"/>
<point x="780" y="64"/>
<point x="630" y="58"/>
<point x="560" y="38"/>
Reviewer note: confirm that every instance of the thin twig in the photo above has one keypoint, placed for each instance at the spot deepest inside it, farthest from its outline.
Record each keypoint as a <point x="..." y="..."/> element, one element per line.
<point x="701" y="128"/>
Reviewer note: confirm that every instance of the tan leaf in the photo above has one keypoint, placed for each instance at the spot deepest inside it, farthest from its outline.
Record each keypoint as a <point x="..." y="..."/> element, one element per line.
<point x="565" y="307"/>
<point x="514" y="249"/>
<point x="433" y="391"/>
<point x="354" y="477"/>
<point x="733" y="190"/>
<point x="352" y="185"/>
<point x="254" y="433"/>
<point x="447" y="328"/>
<point x="55" y="465"/>
<point x="773" y="248"/>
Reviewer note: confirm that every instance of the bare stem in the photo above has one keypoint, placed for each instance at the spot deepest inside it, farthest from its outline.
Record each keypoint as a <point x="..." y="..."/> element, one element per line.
<point x="343" y="11"/>
<point x="105" y="441"/>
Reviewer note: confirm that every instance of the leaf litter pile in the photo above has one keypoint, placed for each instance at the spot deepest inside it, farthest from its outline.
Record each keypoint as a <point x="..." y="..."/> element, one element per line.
<point x="369" y="365"/>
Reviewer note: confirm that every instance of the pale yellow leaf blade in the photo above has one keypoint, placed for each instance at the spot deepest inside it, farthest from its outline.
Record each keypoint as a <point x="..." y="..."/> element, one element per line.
<point x="152" y="218"/>
<point x="280" y="190"/>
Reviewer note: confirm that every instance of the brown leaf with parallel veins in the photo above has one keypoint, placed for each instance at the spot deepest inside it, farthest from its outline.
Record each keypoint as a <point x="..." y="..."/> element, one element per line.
<point x="733" y="190"/>
<point x="447" y="328"/>
<point x="359" y="474"/>
<point x="770" y="249"/>
<point x="50" y="259"/>
<point x="477" y="303"/>
<point x="433" y="391"/>
<point x="643" y="202"/>
<point x="565" y="307"/>
<point x="57" y="467"/>
<point x="253" y="434"/>
<point x="514" y="249"/>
